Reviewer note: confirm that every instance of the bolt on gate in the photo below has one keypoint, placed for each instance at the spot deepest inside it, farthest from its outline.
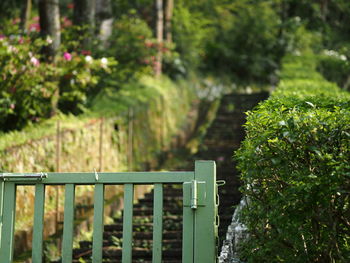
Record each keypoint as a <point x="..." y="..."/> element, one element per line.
<point x="200" y="220"/>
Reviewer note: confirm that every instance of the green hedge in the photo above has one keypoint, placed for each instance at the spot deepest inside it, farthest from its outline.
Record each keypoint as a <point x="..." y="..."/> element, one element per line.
<point x="295" y="164"/>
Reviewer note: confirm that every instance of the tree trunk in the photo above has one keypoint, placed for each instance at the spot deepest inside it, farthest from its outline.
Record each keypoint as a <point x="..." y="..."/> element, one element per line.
<point x="159" y="32"/>
<point x="168" y="17"/>
<point x="104" y="20"/>
<point x="84" y="16"/>
<point x="324" y="10"/>
<point x="25" y="15"/>
<point x="50" y="25"/>
<point x="103" y="9"/>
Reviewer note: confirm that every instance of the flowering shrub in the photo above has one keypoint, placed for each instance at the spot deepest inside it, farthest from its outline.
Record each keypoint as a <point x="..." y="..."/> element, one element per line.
<point x="31" y="89"/>
<point x="79" y="78"/>
<point x="132" y="45"/>
<point x="25" y="95"/>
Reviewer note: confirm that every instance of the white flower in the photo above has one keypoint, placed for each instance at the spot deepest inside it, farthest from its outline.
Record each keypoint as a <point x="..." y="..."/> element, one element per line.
<point x="88" y="59"/>
<point x="35" y="61"/>
<point x="104" y="61"/>
<point x="11" y="49"/>
<point x="343" y="57"/>
<point x="48" y="40"/>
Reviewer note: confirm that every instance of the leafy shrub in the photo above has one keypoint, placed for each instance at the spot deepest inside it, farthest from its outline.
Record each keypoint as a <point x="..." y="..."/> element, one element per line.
<point x="31" y="89"/>
<point x="335" y="67"/>
<point x="295" y="165"/>
<point x="25" y="95"/>
<point x="246" y="44"/>
<point x="191" y="33"/>
<point x="132" y="45"/>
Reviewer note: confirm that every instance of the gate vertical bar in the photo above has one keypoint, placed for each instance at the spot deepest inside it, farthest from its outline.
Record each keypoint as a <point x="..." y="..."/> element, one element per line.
<point x="205" y="217"/>
<point x="8" y="227"/>
<point x="2" y="184"/>
<point x="68" y="224"/>
<point x="187" y="228"/>
<point x="157" y="223"/>
<point x="127" y="223"/>
<point x="38" y="228"/>
<point x="98" y="223"/>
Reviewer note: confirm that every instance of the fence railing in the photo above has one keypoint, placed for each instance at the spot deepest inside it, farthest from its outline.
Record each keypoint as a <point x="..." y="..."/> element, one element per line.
<point x="199" y="211"/>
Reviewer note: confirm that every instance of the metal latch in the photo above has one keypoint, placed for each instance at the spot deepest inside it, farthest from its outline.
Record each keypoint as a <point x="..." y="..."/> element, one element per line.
<point x="22" y="176"/>
<point x="194" y="194"/>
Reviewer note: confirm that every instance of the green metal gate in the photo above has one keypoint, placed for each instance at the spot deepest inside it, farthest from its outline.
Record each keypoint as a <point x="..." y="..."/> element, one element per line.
<point x="199" y="211"/>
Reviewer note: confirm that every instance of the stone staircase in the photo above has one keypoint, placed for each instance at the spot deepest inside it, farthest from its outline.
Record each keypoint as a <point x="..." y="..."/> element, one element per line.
<point x="221" y="140"/>
<point x="142" y="231"/>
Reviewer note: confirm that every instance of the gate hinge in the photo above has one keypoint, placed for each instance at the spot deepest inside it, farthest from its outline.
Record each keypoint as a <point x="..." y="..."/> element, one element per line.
<point x="194" y="194"/>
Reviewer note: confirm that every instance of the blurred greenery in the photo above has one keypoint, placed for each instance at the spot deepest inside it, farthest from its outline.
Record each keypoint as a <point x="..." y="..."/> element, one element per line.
<point x="239" y="41"/>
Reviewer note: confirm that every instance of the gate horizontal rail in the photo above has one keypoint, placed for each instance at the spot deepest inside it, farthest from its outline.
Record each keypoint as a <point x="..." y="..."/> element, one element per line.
<point x="199" y="211"/>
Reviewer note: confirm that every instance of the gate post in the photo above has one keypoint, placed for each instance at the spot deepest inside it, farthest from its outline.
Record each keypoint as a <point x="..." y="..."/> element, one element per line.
<point x="205" y="215"/>
<point x="2" y="184"/>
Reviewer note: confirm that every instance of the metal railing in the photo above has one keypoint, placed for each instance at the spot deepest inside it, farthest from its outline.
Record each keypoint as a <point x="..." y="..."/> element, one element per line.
<point x="199" y="211"/>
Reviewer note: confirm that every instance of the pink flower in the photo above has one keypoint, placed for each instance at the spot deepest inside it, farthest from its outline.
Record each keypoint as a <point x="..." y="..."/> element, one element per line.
<point x="86" y="52"/>
<point x="67" y="56"/>
<point x="2" y="37"/>
<point x="35" y="61"/>
<point x="20" y="40"/>
<point x="12" y="106"/>
<point x="16" y="20"/>
<point x="148" y="43"/>
<point x="67" y="22"/>
<point x="35" y="27"/>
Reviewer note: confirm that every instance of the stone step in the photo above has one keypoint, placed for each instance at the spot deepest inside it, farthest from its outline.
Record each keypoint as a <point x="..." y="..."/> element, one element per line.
<point x="147" y="211"/>
<point x="143" y="235"/>
<point x="119" y="261"/>
<point x="136" y="243"/>
<point x="114" y="253"/>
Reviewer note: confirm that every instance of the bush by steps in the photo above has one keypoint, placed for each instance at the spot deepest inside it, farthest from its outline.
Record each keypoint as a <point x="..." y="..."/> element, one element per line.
<point x="295" y="164"/>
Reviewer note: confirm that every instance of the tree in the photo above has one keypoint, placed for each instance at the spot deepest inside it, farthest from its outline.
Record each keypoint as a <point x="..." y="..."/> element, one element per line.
<point x="84" y="16"/>
<point x="50" y="25"/>
<point x="104" y="20"/>
<point x="159" y="33"/>
<point x="25" y="15"/>
<point x="168" y="17"/>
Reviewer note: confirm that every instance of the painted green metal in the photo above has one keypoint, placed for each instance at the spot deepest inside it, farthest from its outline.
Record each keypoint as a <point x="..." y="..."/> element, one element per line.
<point x="9" y="213"/>
<point x="157" y="223"/>
<point x="205" y="217"/>
<point x="196" y="196"/>
<point x="38" y="228"/>
<point x="98" y="223"/>
<point x="2" y="184"/>
<point x="68" y="223"/>
<point x="188" y="225"/>
<point x="199" y="211"/>
<point x="111" y="178"/>
<point x="127" y="223"/>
